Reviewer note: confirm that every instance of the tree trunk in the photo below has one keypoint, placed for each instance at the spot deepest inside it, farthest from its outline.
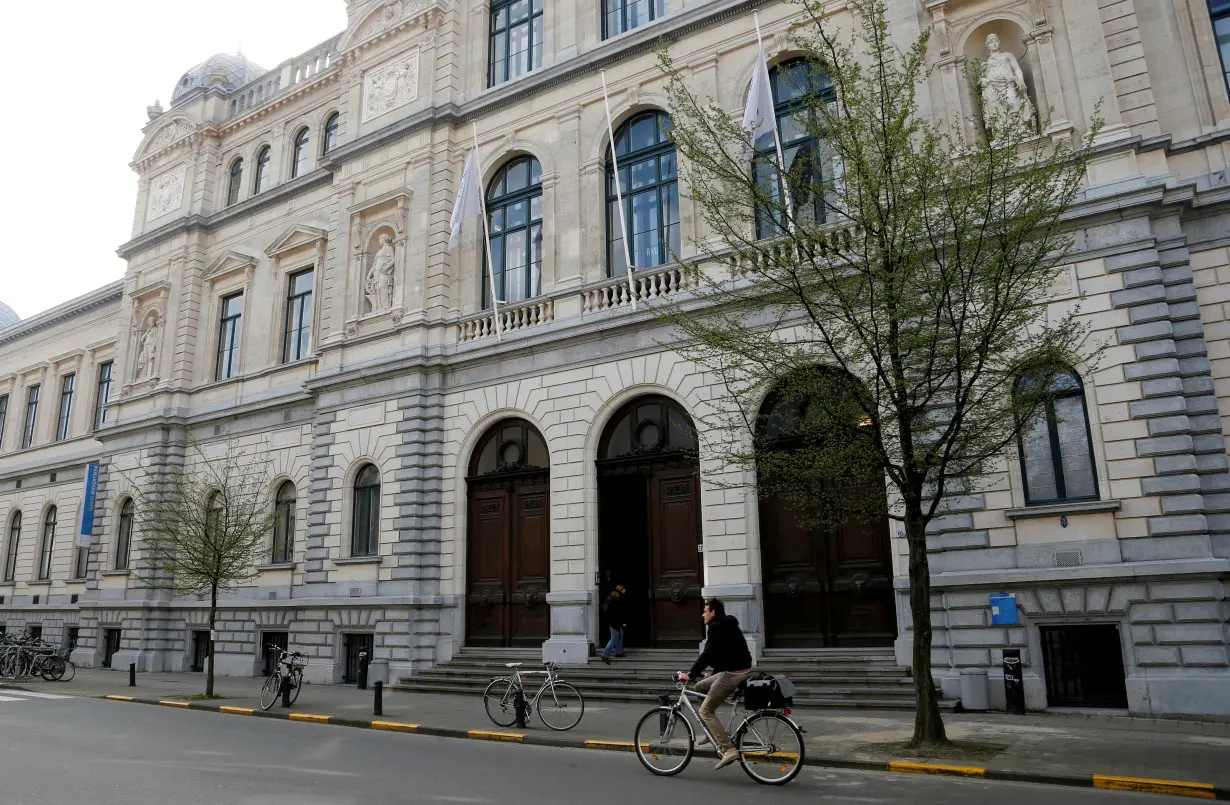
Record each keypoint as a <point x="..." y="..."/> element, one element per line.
<point x="209" y="663"/>
<point x="928" y="724"/>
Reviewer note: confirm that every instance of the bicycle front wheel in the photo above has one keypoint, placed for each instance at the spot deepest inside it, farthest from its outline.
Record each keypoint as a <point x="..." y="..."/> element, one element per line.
<point x="561" y="706"/>
<point x="770" y="748"/>
<point x="664" y="741"/>
<point x="69" y="672"/>
<point x="270" y="690"/>
<point x="296" y="684"/>
<point x="52" y="669"/>
<point x="500" y="701"/>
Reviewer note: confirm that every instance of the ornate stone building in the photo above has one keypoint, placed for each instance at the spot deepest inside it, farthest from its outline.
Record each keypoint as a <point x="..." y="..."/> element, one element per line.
<point x="288" y="286"/>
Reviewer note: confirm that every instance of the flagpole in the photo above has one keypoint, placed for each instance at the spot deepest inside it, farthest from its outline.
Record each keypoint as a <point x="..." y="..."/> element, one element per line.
<point x="777" y="140"/>
<point x="482" y="205"/>
<point x="619" y="196"/>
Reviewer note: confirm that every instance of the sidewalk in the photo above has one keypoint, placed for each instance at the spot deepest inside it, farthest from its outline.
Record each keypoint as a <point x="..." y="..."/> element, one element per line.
<point x="1067" y="749"/>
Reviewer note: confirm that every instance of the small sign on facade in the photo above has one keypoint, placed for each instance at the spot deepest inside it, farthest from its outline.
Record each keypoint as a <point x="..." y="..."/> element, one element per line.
<point x="87" y="506"/>
<point x="1003" y="609"/>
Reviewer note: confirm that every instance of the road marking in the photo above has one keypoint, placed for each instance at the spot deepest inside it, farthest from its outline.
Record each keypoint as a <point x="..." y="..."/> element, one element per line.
<point x="10" y="699"/>
<point x="237" y="711"/>
<point x="1174" y="787"/>
<point x="394" y="726"/>
<point x="935" y="768"/>
<point x="115" y="698"/>
<point x="315" y="719"/>
<point x="29" y="694"/>
<point x="486" y="735"/>
<point x="172" y="704"/>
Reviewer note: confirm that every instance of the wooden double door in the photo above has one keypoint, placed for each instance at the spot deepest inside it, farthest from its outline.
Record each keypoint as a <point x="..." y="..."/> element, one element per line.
<point x="508" y="562"/>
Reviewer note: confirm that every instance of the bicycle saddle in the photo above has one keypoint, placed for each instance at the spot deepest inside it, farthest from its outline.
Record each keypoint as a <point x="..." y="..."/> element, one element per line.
<point x="512" y="665"/>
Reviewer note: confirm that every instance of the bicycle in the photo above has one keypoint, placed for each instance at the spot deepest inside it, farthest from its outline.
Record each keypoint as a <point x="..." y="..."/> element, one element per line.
<point x="556" y="702"/>
<point x="293" y="676"/>
<point x="26" y="656"/>
<point x="770" y="743"/>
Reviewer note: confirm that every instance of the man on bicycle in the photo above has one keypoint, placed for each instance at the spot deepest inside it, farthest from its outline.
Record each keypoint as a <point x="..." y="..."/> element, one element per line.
<point x="726" y="652"/>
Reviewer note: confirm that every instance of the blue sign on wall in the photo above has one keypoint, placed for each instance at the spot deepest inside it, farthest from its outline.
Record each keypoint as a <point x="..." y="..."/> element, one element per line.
<point x="87" y="506"/>
<point x="1003" y="609"/>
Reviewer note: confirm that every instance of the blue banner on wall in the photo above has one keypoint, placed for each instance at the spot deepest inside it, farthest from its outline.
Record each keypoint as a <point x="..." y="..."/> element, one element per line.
<point x="87" y="506"/>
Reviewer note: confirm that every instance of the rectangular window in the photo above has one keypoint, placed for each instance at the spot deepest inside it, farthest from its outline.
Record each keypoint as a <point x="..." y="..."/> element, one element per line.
<point x="70" y="637"/>
<point x="516" y="39"/>
<point x="27" y="430"/>
<point x="104" y="394"/>
<point x="81" y="563"/>
<point x="229" y="330"/>
<point x="111" y="645"/>
<point x="35" y="631"/>
<point x="1219" y="11"/>
<point x="67" y="384"/>
<point x="620" y="16"/>
<point x="298" y="339"/>
<point x="4" y="417"/>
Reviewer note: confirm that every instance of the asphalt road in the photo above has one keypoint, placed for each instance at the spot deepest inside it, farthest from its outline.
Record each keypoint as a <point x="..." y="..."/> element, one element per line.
<point x="109" y="753"/>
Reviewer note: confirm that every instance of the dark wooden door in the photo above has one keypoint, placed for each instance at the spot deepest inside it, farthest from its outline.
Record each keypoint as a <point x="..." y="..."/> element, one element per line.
<point x="508" y="566"/>
<point x="675" y="559"/>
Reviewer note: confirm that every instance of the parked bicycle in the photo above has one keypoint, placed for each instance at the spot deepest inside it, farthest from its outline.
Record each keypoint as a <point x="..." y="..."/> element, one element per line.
<point x="770" y="743"/>
<point x="26" y="656"/>
<point x="288" y="670"/>
<point x="559" y="704"/>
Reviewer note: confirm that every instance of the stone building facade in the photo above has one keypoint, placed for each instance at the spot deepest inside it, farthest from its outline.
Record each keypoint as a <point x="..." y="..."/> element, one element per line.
<point x="289" y="287"/>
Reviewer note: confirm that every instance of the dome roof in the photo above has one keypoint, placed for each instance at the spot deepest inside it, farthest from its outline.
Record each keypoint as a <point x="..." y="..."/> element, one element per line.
<point x="8" y="316"/>
<point x="238" y="69"/>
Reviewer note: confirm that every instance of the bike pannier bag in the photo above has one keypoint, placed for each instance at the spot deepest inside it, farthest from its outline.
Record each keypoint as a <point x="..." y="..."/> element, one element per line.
<point x="769" y="693"/>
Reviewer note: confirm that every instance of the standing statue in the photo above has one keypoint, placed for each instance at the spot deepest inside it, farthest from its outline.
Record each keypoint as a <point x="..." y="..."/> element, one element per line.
<point x="378" y="284"/>
<point x="147" y="354"/>
<point x="1005" y="98"/>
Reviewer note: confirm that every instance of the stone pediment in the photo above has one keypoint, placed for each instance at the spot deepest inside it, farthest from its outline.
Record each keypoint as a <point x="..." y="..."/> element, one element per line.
<point x="391" y="17"/>
<point x="165" y="136"/>
<point x="297" y="237"/>
<point x="228" y="263"/>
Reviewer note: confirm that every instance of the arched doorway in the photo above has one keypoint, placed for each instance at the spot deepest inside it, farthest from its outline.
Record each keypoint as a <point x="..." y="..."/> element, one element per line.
<point x="508" y="550"/>
<point x="649" y="521"/>
<point x="827" y="585"/>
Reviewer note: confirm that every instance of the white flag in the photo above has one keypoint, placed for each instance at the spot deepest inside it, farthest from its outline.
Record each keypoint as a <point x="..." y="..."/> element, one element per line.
<point x="759" y="116"/>
<point x="468" y="204"/>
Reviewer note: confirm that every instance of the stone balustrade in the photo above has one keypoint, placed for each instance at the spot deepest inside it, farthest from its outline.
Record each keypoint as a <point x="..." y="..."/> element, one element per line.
<point x="646" y="284"/>
<point x="512" y="318"/>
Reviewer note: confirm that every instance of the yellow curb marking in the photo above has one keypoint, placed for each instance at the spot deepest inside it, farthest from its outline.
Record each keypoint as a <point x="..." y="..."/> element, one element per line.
<point x="930" y="768"/>
<point x="394" y="726"/>
<point x="238" y="711"/>
<point x="315" y="719"/>
<point x="485" y="735"/>
<point x="172" y="704"/>
<point x="621" y="746"/>
<point x="1175" y="787"/>
<point x="120" y="698"/>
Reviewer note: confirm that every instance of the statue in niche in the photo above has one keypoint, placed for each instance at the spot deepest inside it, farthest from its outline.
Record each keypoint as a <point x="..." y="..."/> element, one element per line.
<point x="147" y="351"/>
<point x="378" y="283"/>
<point x="1005" y="98"/>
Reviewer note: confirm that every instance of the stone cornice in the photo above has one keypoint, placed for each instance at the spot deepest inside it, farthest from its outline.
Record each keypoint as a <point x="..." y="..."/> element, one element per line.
<point x="92" y="300"/>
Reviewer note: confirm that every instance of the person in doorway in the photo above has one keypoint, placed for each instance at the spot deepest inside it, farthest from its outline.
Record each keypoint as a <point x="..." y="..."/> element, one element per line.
<point x="615" y="613"/>
<point x="726" y="652"/>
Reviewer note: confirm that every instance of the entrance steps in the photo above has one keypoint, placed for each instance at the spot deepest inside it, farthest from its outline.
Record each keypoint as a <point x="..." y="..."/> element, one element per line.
<point x="837" y="678"/>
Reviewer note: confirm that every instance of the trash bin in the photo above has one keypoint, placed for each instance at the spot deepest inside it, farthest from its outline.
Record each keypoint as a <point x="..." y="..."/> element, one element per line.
<point x="975" y="694"/>
<point x="378" y="671"/>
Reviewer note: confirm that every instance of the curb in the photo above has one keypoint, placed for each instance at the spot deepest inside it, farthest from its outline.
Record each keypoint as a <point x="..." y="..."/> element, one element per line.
<point x="1106" y="782"/>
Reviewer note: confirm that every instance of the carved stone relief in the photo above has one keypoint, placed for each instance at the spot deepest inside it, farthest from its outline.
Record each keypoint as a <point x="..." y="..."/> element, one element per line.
<point x="1005" y="98"/>
<point x="167" y="134"/>
<point x="391" y="16"/>
<point x="391" y="86"/>
<point x="166" y="193"/>
<point x="148" y="340"/>
<point x="379" y="281"/>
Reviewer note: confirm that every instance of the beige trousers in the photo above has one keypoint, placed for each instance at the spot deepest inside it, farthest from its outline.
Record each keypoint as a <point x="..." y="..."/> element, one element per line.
<point x="717" y="689"/>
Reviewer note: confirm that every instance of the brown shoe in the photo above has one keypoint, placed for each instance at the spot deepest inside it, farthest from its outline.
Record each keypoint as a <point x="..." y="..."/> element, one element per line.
<point x="730" y="757"/>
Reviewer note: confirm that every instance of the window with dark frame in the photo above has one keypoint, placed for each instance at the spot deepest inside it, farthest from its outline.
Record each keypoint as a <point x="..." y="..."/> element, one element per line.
<point x="1219" y="12"/>
<point x="111" y="645"/>
<point x="236" y="182"/>
<point x="64" y="417"/>
<point x="649" y="183"/>
<point x="47" y="548"/>
<point x="1056" y="446"/>
<point x="71" y="635"/>
<point x="81" y="562"/>
<point x="365" y="519"/>
<point x="103" y="395"/>
<point x="332" y="130"/>
<point x="284" y="524"/>
<point x="260" y="182"/>
<point x="301" y="154"/>
<point x="10" y="555"/>
<point x="123" y="534"/>
<point x="514" y="211"/>
<point x="27" y="430"/>
<point x="4" y="416"/>
<point x="620" y="16"/>
<point x="298" y="325"/>
<point x="516" y="39"/>
<point x="230" y="327"/>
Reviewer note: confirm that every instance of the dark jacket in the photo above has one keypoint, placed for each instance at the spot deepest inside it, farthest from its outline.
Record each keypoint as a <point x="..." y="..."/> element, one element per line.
<point x="613" y="608"/>
<point x="725" y="648"/>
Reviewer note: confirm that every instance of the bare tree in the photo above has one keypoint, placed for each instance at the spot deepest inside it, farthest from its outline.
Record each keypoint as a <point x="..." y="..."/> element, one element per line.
<point x="204" y="525"/>
<point x="888" y="283"/>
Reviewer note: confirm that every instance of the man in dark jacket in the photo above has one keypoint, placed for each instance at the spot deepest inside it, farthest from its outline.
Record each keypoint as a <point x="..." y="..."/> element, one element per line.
<point x="726" y="652"/>
<point x="613" y="608"/>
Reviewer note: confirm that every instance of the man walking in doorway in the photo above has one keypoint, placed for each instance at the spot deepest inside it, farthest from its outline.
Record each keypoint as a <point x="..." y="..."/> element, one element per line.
<point x="726" y="652"/>
<point x="613" y="608"/>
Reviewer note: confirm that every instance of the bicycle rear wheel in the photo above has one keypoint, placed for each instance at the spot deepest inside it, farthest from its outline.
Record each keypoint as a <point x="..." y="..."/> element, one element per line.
<point x="770" y="748"/>
<point x="296" y="684"/>
<point x="561" y="706"/>
<point x="664" y="741"/>
<point x="52" y="668"/>
<point x="271" y="690"/>
<point x="68" y="673"/>
<point x="499" y="699"/>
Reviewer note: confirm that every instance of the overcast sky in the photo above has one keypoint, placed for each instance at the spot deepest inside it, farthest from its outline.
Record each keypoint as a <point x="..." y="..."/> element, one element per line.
<point x="80" y="75"/>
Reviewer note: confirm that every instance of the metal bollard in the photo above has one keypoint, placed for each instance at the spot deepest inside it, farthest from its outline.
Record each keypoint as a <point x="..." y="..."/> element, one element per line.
<point x="132" y="674"/>
<point x="378" y="708"/>
<point x="286" y="688"/>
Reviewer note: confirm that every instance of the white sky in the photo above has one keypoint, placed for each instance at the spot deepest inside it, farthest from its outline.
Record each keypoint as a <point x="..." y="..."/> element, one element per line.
<point x="80" y="74"/>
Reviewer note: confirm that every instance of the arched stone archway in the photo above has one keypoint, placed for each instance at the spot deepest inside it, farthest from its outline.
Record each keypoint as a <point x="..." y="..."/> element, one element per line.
<point x="508" y="556"/>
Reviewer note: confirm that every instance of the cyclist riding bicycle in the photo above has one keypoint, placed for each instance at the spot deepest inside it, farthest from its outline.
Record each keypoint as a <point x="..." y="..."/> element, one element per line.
<point x="726" y="652"/>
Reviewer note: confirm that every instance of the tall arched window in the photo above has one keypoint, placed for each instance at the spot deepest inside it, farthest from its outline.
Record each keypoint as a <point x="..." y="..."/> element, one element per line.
<point x="365" y="519"/>
<point x="236" y="182"/>
<point x="649" y="181"/>
<point x="48" y="545"/>
<point x="332" y="129"/>
<point x="123" y="535"/>
<point x="261" y="182"/>
<point x="619" y="16"/>
<point x="10" y="555"/>
<point x="284" y="524"/>
<point x="514" y="206"/>
<point x="516" y="39"/>
<point x="793" y="83"/>
<point x="299" y="160"/>
<point x="1057" y="446"/>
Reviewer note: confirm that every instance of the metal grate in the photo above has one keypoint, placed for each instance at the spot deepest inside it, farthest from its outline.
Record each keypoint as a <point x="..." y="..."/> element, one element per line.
<point x="1083" y="666"/>
<point x="111" y="646"/>
<point x="1067" y="558"/>
<point x="354" y="644"/>
<point x="200" y="650"/>
<point x="281" y="640"/>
